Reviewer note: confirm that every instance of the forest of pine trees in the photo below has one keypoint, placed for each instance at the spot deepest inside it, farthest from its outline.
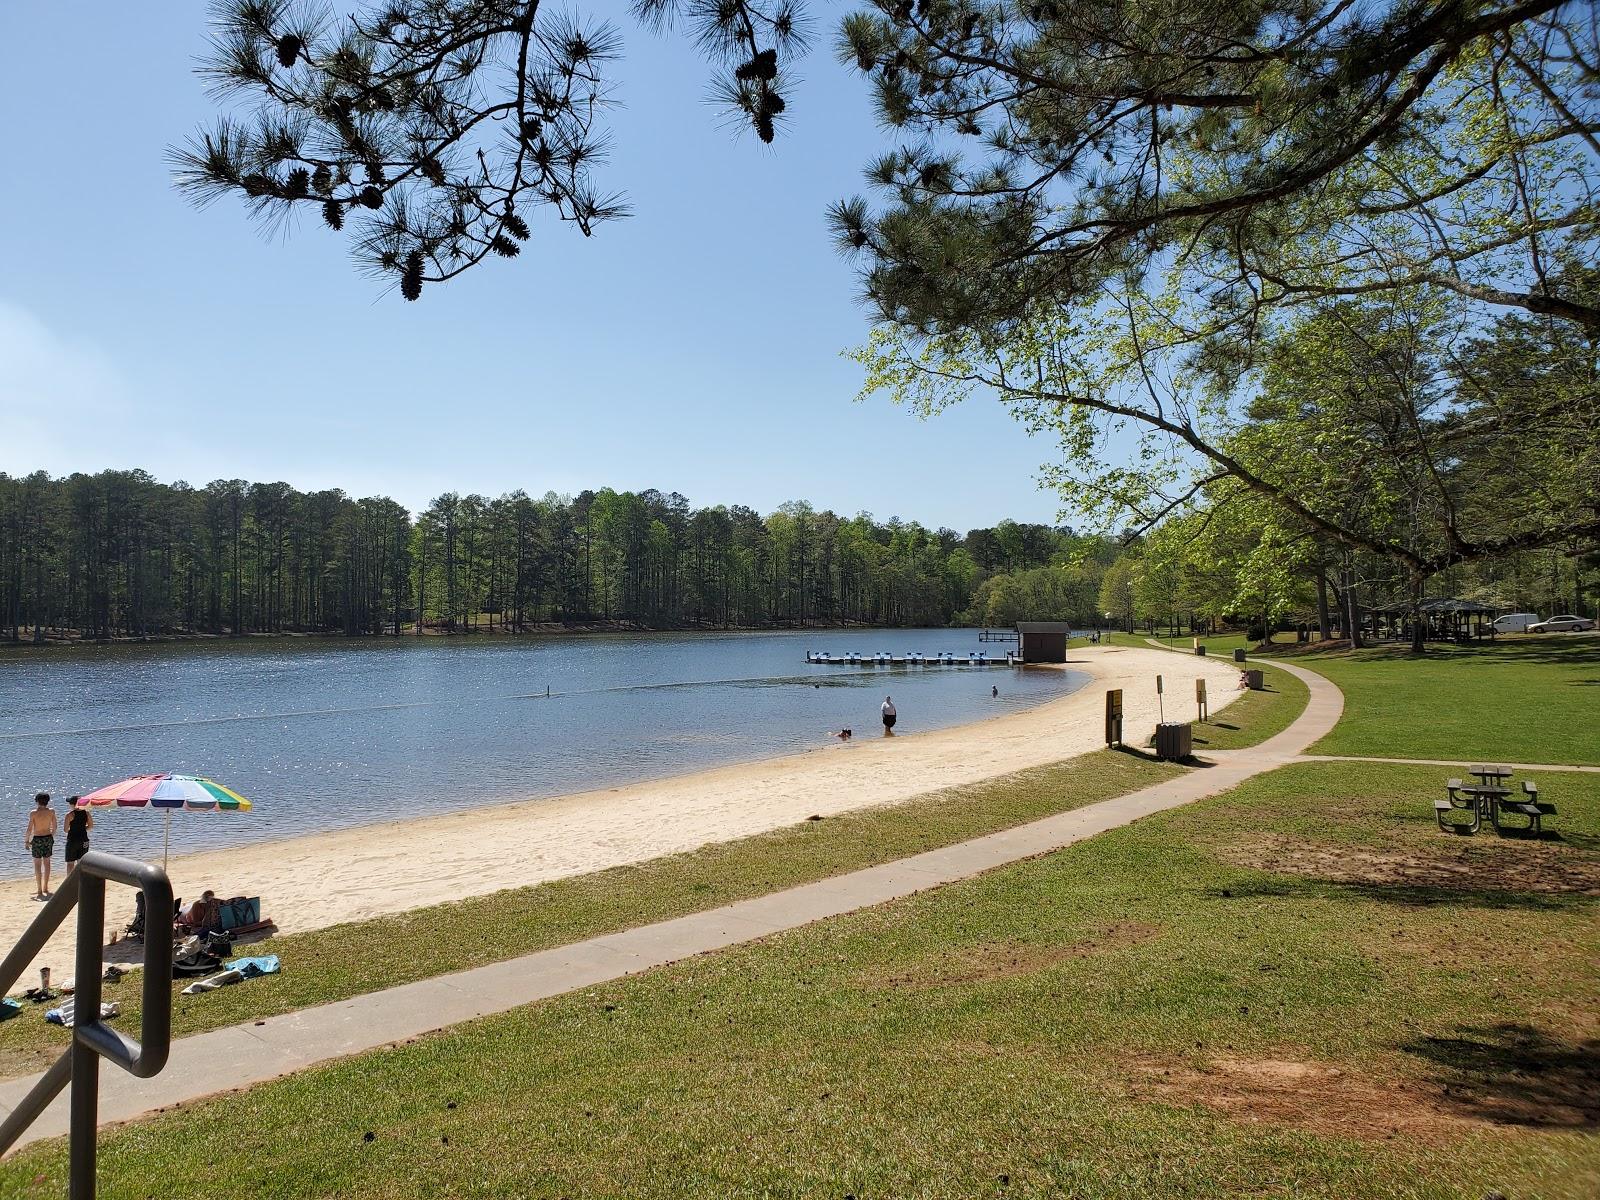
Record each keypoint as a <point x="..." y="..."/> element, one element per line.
<point x="120" y="555"/>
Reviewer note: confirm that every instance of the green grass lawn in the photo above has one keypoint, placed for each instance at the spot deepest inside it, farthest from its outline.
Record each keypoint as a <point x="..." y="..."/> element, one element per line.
<point x="346" y="960"/>
<point x="1300" y="988"/>
<point x="1253" y="716"/>
<point x="1533" y="699"/>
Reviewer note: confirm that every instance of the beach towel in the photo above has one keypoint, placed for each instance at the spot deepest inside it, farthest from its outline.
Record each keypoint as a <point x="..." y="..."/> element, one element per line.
<point x="266" y="964"/>
<point x="212" y="982"/>
<point x="237" y="971"/>
<point x="9" y="1008"/>
<point x="63" y="1015"/>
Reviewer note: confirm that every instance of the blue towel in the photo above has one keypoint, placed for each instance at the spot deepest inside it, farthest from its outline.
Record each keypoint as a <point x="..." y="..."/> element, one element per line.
<point x="267" y="964"/>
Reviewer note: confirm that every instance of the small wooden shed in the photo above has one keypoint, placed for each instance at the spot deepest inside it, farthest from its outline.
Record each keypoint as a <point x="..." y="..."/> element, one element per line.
<point x="1043" y="641"/>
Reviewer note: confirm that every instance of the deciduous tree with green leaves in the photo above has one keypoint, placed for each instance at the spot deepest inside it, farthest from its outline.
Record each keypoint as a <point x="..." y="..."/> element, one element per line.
<point x="1122" y="218"/>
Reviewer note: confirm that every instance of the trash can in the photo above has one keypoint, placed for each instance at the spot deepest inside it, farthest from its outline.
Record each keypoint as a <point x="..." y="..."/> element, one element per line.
<point x="1199" y="648"/>
<point x="1239" y="655"/>
<point x="1255" y="680"/>
<point x="1174" y="740"/>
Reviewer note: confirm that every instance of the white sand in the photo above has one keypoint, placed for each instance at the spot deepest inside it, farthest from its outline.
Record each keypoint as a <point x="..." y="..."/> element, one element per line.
<point x="353" y="874"/>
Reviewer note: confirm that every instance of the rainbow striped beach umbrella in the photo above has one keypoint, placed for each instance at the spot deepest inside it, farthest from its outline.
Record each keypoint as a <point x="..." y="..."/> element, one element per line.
<point x="167" y="792"/>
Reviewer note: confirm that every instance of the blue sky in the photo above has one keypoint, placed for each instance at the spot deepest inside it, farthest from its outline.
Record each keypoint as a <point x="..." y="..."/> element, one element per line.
<point x="694" y="346"/>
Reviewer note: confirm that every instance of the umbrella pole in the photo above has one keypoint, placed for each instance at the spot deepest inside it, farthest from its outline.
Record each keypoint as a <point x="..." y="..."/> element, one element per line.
<point x="166" y="840"/>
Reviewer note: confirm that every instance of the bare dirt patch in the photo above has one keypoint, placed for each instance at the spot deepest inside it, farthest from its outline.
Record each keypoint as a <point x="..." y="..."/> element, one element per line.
<point x="1516" y="865"/>
<point x="1313" y="1096"/>
<point x="1008" y="959"/>
<point x="1493" y="1076"/>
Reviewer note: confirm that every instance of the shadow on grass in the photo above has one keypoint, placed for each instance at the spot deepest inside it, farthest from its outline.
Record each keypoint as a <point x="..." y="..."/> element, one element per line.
<point x="1581" y="649"/>
<point x="1516" y="1074"/>
<point x="1151" y="756"/>
<point x="1403" y="895"/>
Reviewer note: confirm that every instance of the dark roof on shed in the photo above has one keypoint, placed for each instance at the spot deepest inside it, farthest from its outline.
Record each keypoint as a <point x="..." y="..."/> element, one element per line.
<point x="1044" y="627"/>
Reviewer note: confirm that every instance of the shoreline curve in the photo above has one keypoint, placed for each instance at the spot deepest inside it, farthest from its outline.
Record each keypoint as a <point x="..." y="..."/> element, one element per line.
<point x="311" y="881"/>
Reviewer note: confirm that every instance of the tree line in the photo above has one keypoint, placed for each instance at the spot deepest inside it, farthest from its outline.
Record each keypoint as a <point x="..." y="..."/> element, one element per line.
<point x="119" y="554"/>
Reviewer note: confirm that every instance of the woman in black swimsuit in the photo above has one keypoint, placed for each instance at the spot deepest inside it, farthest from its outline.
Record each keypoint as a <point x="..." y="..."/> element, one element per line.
<point x="79" y="822"/>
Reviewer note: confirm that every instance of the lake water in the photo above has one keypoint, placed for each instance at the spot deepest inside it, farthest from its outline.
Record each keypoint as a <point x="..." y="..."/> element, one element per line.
<point x="328" y="733"/>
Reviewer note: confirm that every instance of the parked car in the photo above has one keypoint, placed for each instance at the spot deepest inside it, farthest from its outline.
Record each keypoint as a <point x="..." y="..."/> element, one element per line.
<point x="1565" y="623"/>
<point x="1514" y="622"/>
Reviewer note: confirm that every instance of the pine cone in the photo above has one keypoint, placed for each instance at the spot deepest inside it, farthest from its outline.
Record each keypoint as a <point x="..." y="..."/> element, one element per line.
<point x="322" y="180"/>
<point x="763" y="66"/>
<point x="411" y="277"/>
<point x="298" y="183"/>
<point x="371" y="197"/>
<point x="504" y="246"/>
<point x="516" y="226"/>
<point x="289" y="47"/>
<point x="333" y="214"/>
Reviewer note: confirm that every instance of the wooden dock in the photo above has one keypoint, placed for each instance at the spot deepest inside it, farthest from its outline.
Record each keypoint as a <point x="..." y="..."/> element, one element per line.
<point x="911" y="660"/>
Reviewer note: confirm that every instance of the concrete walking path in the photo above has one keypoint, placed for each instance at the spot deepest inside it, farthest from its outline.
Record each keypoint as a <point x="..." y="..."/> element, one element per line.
<point x="243" y="1055"/>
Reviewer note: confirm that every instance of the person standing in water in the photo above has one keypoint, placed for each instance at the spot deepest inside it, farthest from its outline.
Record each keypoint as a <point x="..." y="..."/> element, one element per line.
<point x="41" y="843"/>
<point x="78" y="824"/>
<point x="889" y="714"/>
<point x="995" y="691"/>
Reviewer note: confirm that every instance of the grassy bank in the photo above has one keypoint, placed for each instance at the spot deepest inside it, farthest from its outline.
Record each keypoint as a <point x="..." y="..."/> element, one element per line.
<point x="347" y="960"/>
<point x="1300" y="988"/>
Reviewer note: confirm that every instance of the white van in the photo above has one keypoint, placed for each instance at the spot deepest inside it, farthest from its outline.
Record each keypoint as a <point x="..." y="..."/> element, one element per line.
<point x="1514" y="622"/>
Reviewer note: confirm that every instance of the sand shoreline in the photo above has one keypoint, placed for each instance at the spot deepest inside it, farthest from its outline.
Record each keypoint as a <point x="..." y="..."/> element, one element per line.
<point x="315" y="880"/>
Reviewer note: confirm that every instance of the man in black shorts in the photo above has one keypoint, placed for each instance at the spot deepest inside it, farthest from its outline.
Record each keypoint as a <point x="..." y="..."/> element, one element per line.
<point x="41" y="843"/>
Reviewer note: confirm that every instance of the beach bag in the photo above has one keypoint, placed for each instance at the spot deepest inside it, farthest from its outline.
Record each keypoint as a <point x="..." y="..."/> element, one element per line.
<point x="218" y="945"/>
<point x="240" y="911"/>
<point x="9" y="1008"/>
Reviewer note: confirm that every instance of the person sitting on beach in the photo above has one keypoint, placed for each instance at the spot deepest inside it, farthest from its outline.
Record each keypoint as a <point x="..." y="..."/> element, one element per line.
<point x="41" y="843"/>
<point x="205" y="913"/>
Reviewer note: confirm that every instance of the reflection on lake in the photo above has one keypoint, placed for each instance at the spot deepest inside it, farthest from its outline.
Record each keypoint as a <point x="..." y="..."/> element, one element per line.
<point x="324" y="733"/>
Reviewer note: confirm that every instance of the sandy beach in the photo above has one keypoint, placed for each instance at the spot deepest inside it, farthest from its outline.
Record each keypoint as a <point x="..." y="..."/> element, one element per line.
<point x="354" y="874"/>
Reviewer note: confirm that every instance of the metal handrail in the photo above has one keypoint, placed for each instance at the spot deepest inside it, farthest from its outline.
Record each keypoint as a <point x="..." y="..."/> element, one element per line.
<point x="92" y="1038"/>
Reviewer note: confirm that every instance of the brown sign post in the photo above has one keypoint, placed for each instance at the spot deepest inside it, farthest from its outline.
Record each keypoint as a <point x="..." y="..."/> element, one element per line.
<point x="1114" y="717"/>
<point x="1200" y="699"/>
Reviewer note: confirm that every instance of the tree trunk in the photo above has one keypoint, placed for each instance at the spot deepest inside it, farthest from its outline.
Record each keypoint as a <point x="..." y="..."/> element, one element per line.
<point x="1352" y="609"/>
<point x="1417" y="645"/>
<point x="1322" y="606"/>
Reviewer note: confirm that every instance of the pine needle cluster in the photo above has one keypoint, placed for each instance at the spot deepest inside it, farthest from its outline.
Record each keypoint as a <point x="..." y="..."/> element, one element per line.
<point x="429" y="130"/>
<point x="1266" y="150"/>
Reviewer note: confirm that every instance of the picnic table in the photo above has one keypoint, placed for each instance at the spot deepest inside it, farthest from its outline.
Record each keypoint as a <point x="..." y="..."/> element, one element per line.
<point x="1491" y="799"/>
